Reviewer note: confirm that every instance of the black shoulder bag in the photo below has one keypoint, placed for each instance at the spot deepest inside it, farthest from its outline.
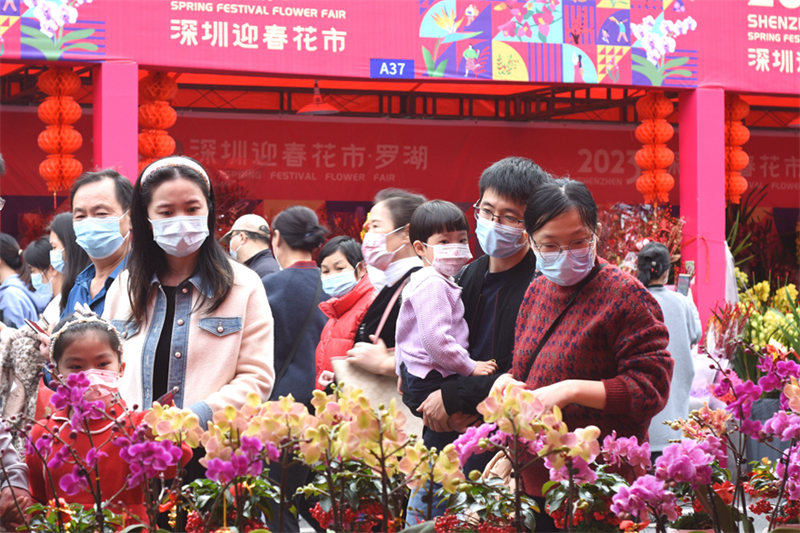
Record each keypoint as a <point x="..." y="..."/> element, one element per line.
<point x="584" y="282"/>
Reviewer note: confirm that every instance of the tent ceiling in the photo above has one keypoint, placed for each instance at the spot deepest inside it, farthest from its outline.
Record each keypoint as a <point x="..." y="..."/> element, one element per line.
<point x="401" y="99"/>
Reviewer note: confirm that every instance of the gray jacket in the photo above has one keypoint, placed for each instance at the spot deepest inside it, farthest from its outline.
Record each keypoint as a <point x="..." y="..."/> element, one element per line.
<point x="683" y="323"/>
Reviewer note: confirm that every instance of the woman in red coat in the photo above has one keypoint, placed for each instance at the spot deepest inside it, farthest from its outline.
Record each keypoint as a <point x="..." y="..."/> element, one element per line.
<point x="344" y="278"/>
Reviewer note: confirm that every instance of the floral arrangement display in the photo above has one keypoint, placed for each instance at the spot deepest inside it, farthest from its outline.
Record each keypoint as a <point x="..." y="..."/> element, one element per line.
<point x="364" y="462"/>
<point x="627" y="228"/>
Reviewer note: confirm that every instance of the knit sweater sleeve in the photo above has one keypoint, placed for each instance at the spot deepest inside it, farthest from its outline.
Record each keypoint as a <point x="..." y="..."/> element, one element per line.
<point x="644" y="366"/>
<point x="434" y="303"/>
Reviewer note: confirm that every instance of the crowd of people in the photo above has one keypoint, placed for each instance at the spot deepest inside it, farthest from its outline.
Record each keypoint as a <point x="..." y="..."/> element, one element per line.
<point x="134" y="289"/>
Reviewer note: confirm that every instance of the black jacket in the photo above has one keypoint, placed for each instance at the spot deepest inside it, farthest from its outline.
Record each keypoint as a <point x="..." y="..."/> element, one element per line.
<point x="263" y="263"/>
<point x="465" y="393"/>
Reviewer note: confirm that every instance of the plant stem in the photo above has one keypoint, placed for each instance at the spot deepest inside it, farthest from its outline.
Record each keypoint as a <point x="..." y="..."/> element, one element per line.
<point x="570" y="489"/>
<point x="785" y="460"/>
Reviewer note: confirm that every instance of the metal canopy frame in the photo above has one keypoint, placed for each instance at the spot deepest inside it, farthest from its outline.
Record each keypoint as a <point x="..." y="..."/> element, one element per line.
<point x="542" y="103"/>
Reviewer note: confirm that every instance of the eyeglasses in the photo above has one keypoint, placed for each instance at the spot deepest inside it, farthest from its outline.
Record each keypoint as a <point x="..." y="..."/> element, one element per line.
<point x="551" y="252"/>
<point x="506" y="220"/>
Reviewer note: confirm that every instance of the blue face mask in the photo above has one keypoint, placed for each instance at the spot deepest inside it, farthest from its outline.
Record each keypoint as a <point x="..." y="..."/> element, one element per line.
<point x="563" y="268"/>
<point x="38" y="282"/>
<point x="99" y="237"/>
<point x="498" y="240"/>
<point x="57" y="260"/>
<point x="339" y="284"/>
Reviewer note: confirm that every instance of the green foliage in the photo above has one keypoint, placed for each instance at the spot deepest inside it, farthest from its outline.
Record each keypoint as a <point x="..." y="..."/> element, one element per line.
<point x="488" y="499"/>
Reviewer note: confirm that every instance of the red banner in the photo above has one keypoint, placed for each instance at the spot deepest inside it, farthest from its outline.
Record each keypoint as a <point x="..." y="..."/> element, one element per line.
<point x="321" y="159"/>
<point x="744" y="45"/>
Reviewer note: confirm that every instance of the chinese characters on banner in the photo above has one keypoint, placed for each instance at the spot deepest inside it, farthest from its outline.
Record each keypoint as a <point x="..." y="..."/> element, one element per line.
<point x="773" y="37"/>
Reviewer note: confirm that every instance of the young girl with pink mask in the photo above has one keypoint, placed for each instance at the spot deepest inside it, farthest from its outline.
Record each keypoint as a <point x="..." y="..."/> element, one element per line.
<point x="85" y="343"/>
<point x="432" y="336"/>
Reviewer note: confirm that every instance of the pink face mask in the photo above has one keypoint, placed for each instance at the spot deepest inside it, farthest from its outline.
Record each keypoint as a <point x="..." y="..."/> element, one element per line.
<point x="449" y="258"/>
<point x="374" y="249"/>
<point x="103" y="384"/>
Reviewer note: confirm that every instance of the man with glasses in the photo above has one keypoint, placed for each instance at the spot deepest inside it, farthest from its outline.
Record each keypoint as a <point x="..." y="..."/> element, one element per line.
<point x="492" y="290"/>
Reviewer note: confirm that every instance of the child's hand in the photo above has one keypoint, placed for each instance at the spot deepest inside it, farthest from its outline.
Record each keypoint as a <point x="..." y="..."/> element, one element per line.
<point x="485" y="368"/>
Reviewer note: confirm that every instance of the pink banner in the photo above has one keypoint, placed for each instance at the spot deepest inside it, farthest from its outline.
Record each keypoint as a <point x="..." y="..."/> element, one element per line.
<point x="743" y="45"/>
<point x="332" y="159"/>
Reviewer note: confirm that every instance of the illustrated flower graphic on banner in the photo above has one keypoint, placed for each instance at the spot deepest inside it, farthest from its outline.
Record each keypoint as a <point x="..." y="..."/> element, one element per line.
<point x="440" y="22"/>
<point x="658" y="38"/>
<point x="51" y="38"/>
<point x="530" y="21"/>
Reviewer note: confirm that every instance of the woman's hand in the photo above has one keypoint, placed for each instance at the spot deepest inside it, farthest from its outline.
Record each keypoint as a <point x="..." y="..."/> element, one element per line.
<point x="503" y="380"/>
<point x="558" y="394"/>
<point x="374" y="358"/>
<point x="580" y="391"/>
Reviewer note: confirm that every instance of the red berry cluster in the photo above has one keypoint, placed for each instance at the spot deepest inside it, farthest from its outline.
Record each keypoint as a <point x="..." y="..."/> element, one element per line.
<point x="447" y="523"/>
<point x="761" y="507"/>
<point x="790" y="512"/>
<point x="196" y="524"/>
<point x="365" y="518"/>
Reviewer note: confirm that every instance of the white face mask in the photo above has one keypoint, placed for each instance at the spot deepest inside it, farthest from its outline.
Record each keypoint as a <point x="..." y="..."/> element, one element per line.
<point x="449" y="258"/>
<point x="180" y="236"/>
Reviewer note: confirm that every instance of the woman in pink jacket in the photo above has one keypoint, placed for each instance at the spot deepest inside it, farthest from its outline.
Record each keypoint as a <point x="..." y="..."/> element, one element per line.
<point x="190" y="317"/>
<point x="344" y="278"/>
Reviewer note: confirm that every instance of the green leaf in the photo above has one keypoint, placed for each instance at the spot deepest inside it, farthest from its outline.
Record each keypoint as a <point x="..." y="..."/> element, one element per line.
<point x="429" y="65"/>
<point x="89" y="47"/>
<point x="547" y="486"/>
<point x="440" y="68"/>
<point x="453" y="37"/>
<point x="33" y="32"/>
<point x="677" y="62"/>
<point x="678" y="72"/>
<point x="77" y="34"/>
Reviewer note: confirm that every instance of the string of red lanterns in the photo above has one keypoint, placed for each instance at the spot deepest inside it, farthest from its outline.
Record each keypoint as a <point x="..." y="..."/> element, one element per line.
<point x="155" y="116"/>
<point x="736" y="159"/>
<point x="60" y="139"/>
<point x="654" y="157"/>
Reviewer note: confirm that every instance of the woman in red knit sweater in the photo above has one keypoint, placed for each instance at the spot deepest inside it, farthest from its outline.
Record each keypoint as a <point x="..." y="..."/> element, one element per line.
<point x="605" y="362"/>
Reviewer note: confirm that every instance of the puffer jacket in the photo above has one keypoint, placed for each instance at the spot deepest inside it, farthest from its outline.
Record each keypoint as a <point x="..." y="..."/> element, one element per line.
<point x="344" y="316"/>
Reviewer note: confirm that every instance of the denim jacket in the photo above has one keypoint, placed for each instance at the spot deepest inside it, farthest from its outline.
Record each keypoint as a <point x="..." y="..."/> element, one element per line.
<point x="217" y="358"/>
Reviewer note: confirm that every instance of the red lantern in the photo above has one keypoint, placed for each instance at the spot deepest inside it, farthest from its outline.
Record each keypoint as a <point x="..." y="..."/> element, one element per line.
<point x="654" y="105"/>
<point x="663" y="184"/>
<point x="735" y="185"/>
<point x="60" y="140"/>
<point x="646" y="185"/>
<point x="156" y="144"/>
<point x="736" y="159"/>
<point x="59" y="81"/>
<point x="59" y="110"/>
<point x="158" y="86"/>
<point x="157" y="115"/>
<point x="736" y="133"/>
<point x="654" y="156"/>
<point x="654" y="131"/>
<point x="736" y="108"/>
<point x="59" y="171"/>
